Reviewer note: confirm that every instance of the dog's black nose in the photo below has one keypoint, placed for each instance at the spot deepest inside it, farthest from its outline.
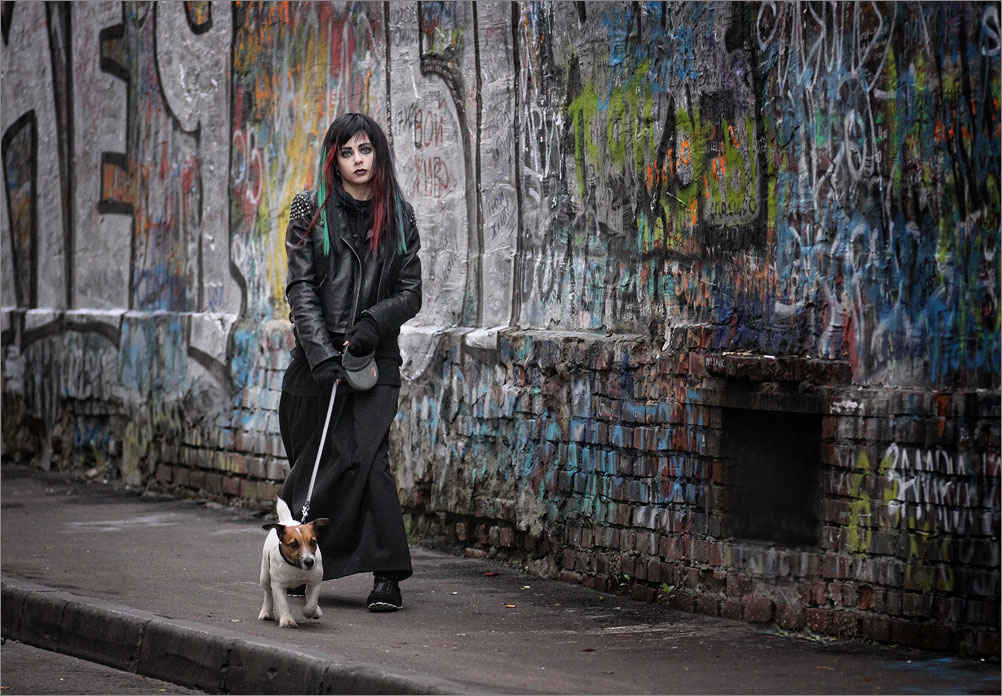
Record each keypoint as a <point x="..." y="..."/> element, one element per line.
<point x="308" y="563"/>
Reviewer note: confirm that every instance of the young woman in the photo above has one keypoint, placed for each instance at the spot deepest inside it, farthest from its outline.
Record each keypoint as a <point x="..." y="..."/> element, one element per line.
<point x="354" y="278"/>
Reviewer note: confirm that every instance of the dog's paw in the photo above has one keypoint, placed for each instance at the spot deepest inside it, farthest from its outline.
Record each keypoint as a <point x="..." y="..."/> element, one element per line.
<point x="316" y="614"/>
<point x="287" y="622"/>
<point x="265" y="616"/>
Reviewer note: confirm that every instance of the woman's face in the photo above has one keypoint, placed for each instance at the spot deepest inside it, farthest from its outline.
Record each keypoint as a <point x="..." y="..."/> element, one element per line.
<point x="355" y="160"/>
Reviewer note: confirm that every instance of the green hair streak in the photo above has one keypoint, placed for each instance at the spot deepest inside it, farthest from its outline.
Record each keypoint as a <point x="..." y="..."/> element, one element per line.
<point x="400" y="220"/>
<point x="321" y="201"/>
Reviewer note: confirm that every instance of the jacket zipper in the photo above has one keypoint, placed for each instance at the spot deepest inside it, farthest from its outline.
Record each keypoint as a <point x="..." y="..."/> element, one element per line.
<point x="358" y="273"/>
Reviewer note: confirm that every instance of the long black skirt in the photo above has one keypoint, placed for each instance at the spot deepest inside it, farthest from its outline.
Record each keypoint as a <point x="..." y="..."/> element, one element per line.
<point x="354" y="488"/>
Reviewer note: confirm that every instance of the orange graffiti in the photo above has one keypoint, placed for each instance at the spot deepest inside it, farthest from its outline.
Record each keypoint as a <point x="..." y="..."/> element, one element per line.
<point x="685" y="152"/>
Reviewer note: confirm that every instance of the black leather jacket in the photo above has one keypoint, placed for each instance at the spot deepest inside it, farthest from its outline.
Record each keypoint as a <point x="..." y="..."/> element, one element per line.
<point x="325" y="292"/>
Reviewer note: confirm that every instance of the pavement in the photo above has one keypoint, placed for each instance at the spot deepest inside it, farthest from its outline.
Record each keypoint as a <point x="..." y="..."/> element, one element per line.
<point x="167" y="589"/>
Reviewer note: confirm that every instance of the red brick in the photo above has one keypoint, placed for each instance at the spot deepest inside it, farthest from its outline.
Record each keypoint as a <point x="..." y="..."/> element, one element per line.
<point x="164" y="473"/>
<point x="817" y="619"/>
<point x="716" y="555"/>
<point x="913" y="604"/>
<point x="687" y="577"/>
<point x="214" y="483"/>
<point x="569" y="576"/>
<point x="731" y="609"/>
<point x="700" y="550"/>
<point x="790" y="617"/>
<point x="988" y="644"/>
<point x="231" y="485"/>
<point x="717" y="475"/>
<point x="844" y="624"/>
<point x="707" y="605"/>
<point x="653" y="570"/>
<point x="667" y="573"/>
<point x="935" y="637"/>
<point x="684" y="601"/>
<point x="643" y="593"/>
<point x="865" y="597"/>
<point x="819" y="593"/>
<point x="835" y="593"/>
<point x="567" y="558"/>
<point x="759" y="609"/>
<point x="829" y="565"/>
<point x="697" y="366"/>
<point x="876" y="628"/>
<point x="738" y="585"/>
<point x="906" y="633"/>
<point x="183" y="476"/>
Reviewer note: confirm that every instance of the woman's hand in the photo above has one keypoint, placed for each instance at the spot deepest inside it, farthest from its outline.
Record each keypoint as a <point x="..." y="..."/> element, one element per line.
<point x="327" y="372"/>
<point x="363" y="337"/>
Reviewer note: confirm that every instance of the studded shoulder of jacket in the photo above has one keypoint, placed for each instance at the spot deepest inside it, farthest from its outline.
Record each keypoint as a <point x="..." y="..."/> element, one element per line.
<point x="303" y="207"/>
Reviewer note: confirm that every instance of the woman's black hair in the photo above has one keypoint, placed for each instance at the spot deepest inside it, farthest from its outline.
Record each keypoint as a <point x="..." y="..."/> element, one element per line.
<point x="386" y="196"/>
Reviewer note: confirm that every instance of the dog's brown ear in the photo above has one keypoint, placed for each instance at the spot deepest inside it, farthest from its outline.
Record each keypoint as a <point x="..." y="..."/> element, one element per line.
<point x="320" y="522"/>
<point x="273" y="525"/>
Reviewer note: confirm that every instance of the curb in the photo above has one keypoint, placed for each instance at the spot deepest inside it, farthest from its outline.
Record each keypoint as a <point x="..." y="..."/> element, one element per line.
<point x="187" y="653"/>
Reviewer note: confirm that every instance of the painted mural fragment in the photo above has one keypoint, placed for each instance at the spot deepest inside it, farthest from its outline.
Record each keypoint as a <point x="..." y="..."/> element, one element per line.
<point x="634" y="216"/>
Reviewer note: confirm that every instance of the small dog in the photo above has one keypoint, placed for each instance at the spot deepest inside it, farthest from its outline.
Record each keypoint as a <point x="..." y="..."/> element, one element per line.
<point x="290" y="558"/>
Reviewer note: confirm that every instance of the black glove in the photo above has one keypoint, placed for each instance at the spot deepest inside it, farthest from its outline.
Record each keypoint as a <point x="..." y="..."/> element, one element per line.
<point x="362" y="338"/>
<point x="327" y="372"/>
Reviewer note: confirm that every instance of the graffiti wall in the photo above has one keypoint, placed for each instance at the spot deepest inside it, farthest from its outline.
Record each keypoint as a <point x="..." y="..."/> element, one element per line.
<point x="645" y="227"/>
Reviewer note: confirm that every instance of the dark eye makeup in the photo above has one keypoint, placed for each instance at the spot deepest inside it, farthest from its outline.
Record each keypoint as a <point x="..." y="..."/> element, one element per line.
<point x="364" y="149"/>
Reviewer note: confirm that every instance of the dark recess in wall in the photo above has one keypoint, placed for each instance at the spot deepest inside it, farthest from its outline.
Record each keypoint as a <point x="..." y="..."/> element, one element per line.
<point x="773" y="460"/>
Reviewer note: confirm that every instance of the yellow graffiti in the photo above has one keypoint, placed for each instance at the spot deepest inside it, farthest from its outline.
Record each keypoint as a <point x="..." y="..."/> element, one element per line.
<point x="860" y="530"/>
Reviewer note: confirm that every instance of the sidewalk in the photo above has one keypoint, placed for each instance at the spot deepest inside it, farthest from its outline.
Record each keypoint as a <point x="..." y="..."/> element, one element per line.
<point x="168" y="589"/>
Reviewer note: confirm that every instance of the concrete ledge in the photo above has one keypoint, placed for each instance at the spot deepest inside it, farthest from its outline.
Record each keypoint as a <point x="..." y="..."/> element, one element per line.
<point x="103" y="635"/>
<point x="185" y="654"/>
<point x="254" y="667"/>
<point x="39" y="621"/>
<point x="191" y="654"/>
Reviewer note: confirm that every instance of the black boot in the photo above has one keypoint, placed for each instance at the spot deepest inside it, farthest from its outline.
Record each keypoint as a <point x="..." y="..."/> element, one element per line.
<point x="385" y="595"/>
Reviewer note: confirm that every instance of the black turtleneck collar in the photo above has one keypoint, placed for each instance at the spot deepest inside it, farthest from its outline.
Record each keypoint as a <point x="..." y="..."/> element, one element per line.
<point x="358" y="215"/>
<point x="348" y="202"/>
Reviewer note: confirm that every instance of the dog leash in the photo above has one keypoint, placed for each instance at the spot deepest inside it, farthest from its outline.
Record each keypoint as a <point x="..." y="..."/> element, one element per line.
<point x="320" y="451"/>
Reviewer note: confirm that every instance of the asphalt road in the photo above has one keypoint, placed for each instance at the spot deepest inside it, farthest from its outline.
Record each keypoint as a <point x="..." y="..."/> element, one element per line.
<point x="28" y="670"/>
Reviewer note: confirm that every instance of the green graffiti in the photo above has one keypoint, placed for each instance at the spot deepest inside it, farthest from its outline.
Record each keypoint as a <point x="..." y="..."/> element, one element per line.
<point x="859" y="532"/>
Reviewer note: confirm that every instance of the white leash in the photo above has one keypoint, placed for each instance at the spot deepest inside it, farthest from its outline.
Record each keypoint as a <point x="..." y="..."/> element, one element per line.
<point x="320" y="451"/>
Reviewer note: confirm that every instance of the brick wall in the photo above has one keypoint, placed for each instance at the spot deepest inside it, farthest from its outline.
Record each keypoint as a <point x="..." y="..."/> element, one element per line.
<point x="604" y="462"/>
<point x="600" y="461"/>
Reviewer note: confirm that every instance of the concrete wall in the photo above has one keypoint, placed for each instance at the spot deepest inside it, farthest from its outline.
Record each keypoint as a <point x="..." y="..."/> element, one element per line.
<point x="711" y="289"/>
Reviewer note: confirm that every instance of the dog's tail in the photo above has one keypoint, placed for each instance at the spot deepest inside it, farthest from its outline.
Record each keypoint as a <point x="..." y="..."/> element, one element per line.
<point x="284" y="514"/>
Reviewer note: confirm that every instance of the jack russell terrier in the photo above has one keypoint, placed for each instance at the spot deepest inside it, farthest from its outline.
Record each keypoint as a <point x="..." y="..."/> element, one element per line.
<point x="290" y="558"/>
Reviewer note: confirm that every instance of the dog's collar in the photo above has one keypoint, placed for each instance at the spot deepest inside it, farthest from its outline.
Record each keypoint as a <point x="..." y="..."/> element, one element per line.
<point x="282" y="554"/>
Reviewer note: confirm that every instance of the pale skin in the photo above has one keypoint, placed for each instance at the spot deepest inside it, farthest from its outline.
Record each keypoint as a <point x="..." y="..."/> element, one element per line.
<point x="354" y="162"/>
